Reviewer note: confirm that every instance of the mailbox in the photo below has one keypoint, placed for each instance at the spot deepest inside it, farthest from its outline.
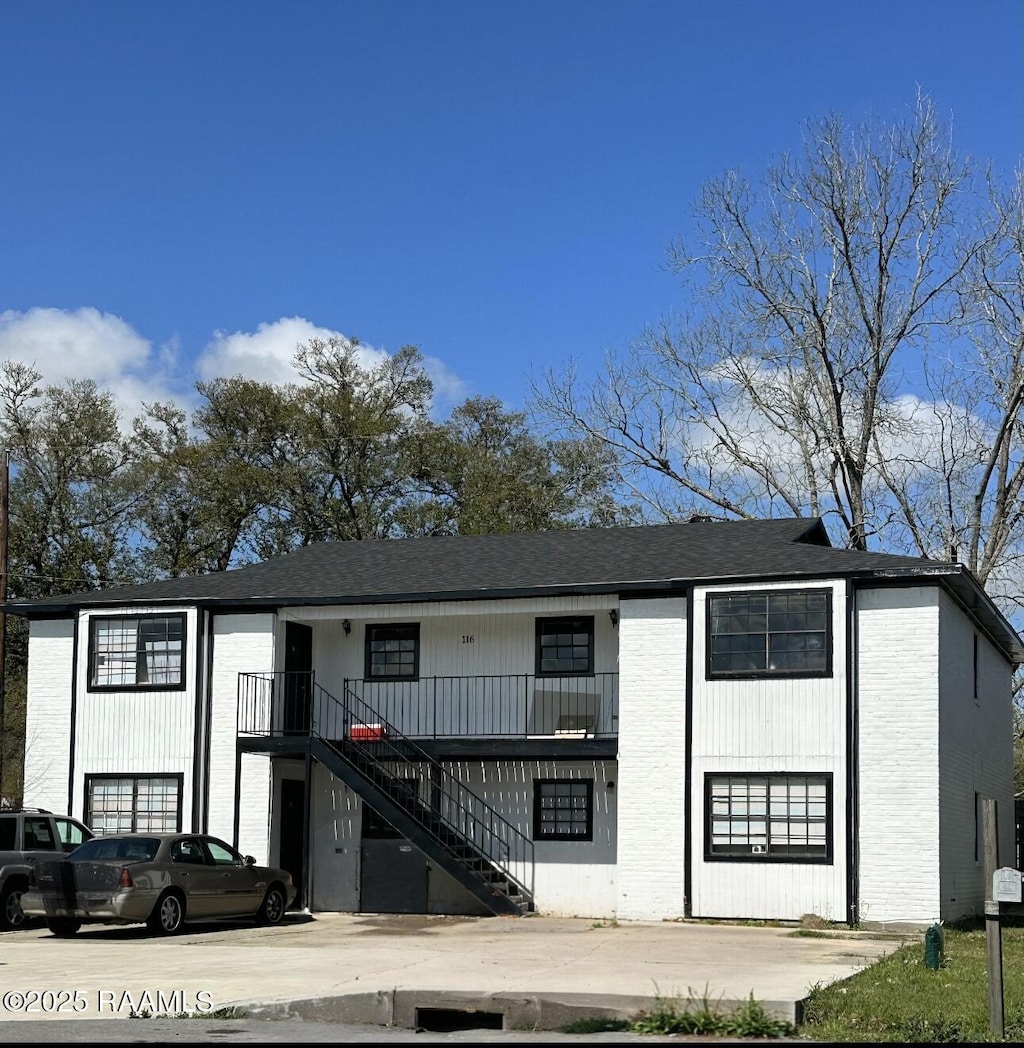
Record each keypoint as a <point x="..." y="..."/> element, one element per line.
<point x="1006" y="885"/>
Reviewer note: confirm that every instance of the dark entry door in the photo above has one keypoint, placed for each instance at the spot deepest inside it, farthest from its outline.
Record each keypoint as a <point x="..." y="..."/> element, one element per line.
<point x="298" y="676"/>
<point x="293" y="807"/>
<point x="392" y="874"/>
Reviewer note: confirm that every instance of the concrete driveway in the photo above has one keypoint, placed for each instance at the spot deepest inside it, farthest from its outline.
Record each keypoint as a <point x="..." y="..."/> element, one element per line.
<point x="533" y="972"/>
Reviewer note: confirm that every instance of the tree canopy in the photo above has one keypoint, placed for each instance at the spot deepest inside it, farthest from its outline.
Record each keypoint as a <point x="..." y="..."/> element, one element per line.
<point x="849" y="347"/>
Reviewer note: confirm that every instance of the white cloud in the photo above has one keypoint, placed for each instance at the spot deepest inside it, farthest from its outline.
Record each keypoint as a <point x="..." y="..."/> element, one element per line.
<point x="267" y="355"/>
<point x="62" y="344"/>
<point x="86" y="344"/>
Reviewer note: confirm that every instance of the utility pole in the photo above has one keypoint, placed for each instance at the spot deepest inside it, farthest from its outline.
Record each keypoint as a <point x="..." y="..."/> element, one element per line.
<point x="5" y="513"/>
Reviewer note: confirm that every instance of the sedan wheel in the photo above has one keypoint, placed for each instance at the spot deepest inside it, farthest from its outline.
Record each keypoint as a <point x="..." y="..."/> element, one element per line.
<point x="272" y="909"/>
<point x="12" y="916"/>
<point x="167" y="916"/>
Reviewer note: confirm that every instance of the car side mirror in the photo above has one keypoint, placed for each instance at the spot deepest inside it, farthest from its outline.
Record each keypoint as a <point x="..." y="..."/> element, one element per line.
<point x="250" y="861"/>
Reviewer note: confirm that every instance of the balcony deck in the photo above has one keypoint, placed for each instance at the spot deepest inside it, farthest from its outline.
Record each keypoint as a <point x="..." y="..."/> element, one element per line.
<point x="495" y="716"/>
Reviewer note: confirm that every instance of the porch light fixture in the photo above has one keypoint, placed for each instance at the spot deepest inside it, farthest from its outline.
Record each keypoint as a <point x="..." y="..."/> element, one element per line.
<point x="614" y="616"/>
<point x="346" y="626"/>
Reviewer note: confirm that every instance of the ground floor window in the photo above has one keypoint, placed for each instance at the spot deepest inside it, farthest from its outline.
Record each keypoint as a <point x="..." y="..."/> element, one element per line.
<point x="563" y="809"/>
<point x="133" y="803"/>
<point x="765" y="817"/>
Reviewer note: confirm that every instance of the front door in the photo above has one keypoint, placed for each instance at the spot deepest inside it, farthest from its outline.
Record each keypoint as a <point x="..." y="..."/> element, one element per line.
<point x="298" y="677"/>
<point x="293" y="810"/>
<point x="392" y="873"/>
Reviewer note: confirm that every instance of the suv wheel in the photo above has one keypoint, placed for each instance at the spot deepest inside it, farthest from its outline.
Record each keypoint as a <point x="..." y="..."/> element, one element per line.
<point x="12" y="916"/>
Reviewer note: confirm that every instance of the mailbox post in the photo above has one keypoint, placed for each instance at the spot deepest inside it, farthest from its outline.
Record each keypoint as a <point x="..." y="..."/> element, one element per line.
<point x="1003" y="895"/>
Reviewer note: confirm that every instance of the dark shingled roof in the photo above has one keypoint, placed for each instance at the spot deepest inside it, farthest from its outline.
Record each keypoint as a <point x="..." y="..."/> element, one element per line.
<point x="654" y="559"/>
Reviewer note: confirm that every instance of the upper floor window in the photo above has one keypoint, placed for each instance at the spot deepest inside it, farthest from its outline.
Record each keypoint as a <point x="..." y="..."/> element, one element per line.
<point x="137" y="651"/>
<point x="565" y="647"/>
<point x="781" y="633"/>
<point x="393" y="652"/>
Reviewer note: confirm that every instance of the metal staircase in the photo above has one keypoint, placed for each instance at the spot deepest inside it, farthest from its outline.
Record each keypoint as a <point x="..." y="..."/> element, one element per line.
<point x="419" y="796"/>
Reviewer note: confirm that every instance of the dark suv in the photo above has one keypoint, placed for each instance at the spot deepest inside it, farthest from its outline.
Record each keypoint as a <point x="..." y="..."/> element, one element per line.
<point x="27" y="835"/>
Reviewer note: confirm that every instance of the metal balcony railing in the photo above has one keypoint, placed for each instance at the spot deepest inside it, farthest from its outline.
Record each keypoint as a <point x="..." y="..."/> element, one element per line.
<point x="464" y="827"/>
<point x="519" y="705"/>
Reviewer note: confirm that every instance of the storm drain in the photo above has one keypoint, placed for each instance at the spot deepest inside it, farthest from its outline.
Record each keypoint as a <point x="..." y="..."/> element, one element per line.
<point x="449" y="1020"/>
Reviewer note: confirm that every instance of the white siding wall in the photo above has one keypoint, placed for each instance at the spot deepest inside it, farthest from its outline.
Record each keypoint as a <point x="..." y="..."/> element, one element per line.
<point x="785" y="725"/>
<point x="503" y="634"/>
<point x="48" y="718"/>
<point x="975" y="757"/>
<point x="459" y="639"/>
<point x="571" y="878"/>
<point x="241" y="643"/>
<point x="898" y="747"/>
<point x="136" y="732"/>
<point x="652" y="735"/>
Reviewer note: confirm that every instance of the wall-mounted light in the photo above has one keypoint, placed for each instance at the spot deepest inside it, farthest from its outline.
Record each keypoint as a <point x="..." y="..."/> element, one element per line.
<point x="346" y="626"/>
<point x="614" y="616"/>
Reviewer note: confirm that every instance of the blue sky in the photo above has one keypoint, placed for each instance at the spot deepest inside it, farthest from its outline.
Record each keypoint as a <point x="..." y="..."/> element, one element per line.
<point x="190" y="188"/>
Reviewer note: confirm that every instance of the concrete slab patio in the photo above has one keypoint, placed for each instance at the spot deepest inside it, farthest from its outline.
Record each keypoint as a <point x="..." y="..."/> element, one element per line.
<point x="534" y="972"/>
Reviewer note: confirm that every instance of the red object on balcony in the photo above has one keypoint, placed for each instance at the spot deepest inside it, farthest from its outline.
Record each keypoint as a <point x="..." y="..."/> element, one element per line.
<point x="366" y="732"/>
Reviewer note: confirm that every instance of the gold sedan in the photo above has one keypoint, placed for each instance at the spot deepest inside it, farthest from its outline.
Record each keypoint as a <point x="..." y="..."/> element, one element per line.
<point x="162" y="880"/>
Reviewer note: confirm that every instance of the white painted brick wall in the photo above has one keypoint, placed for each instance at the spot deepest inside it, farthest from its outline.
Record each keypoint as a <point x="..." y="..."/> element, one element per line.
<point x="652" y="734"/>
<point x="241" y="643"/>
<point x="48" y="717"/>
<point x="254" y="812"/>
<point x="898" y="675"/>
<point x="976" y="757"/>
<point x="764" y="726"/>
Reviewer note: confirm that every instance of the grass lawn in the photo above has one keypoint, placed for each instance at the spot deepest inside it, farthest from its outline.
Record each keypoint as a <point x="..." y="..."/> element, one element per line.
<point x="901" y="999"/>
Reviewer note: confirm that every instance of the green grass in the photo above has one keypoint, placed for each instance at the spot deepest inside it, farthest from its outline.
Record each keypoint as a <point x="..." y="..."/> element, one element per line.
<point x="697" y="1015"/>
<point x="900" y="999"/>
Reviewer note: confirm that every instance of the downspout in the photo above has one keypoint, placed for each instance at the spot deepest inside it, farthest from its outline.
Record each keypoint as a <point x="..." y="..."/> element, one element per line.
<point x="307" y="862"/>
<point x="74" y="720"/>
<point x="235" y="826"/>
<point x="207" y="726"/>
<point x="198" y="733"/>
<point x="688" y="764"/>
<point x="852" y="760"/>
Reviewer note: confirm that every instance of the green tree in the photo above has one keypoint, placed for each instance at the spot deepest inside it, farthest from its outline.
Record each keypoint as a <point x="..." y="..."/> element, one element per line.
<point x="75" y="484"/>
<point x="348" y="475"/>
<point x="482" y="471"/>
<point x="215" y="490"/>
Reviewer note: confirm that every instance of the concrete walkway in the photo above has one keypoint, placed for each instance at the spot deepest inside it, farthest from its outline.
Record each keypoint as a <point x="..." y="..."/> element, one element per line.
<point x="534" y="972"/>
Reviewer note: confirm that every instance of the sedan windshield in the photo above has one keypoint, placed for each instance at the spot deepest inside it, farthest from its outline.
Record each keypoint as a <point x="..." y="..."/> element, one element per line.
<point x="116" y="849"/>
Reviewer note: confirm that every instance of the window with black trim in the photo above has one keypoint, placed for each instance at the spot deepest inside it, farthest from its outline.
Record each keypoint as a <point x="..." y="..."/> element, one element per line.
<point x="781" y="633"/>
<point x="136" y="651"/>
<point x="765" y="817"/>
<point x="563" y="809"/>
<point x="393" y="652"/>
<point x="565" y="647"/>
<point x="133" y="803"/>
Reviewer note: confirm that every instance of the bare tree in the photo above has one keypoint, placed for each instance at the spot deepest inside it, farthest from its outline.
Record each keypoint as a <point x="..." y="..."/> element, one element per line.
<point x="815" y="296"/>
